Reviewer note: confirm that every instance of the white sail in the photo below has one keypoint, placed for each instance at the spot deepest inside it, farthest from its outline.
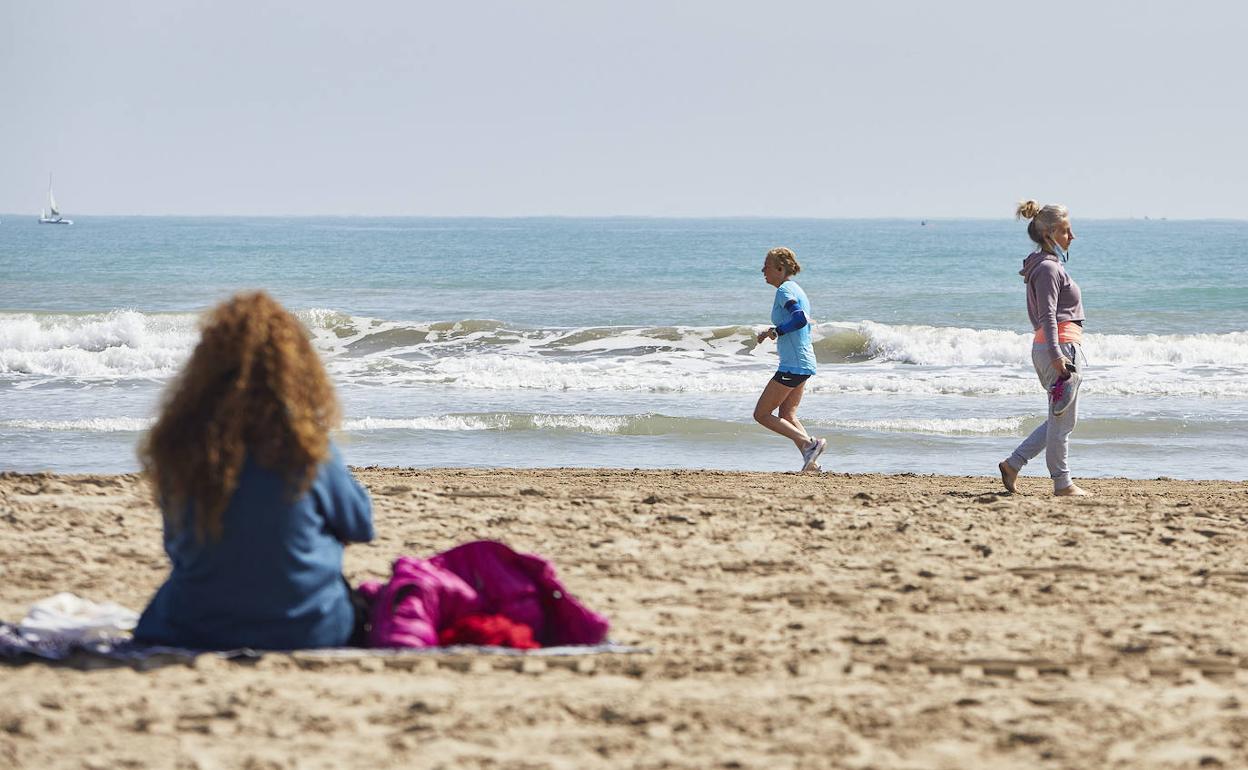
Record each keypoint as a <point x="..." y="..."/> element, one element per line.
<point x="51" y="198"/>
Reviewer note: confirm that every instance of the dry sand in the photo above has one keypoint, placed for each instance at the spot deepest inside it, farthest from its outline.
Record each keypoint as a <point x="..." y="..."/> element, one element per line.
<point x="795" y="621"/>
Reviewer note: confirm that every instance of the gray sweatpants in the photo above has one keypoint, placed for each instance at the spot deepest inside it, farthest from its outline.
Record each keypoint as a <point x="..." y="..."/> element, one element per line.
<point x="1053" y="435"/>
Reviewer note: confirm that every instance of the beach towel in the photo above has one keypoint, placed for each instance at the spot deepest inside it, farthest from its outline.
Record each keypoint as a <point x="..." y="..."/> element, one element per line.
<point x="483" y="598"/>
<point x="122" y="649"/>
<point x="426" y="597"/>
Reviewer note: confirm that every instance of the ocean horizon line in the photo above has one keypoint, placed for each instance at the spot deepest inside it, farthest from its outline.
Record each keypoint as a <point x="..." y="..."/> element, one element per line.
<point x="622" y="217"/>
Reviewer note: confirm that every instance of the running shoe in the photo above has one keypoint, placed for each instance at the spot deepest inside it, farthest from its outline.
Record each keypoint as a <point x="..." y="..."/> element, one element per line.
<point x="1063" y="392"/>
<point x="811" y="453"/>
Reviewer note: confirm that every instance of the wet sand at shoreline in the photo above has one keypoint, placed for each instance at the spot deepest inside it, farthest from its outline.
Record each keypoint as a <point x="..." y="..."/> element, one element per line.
<point x="861" y="621"/>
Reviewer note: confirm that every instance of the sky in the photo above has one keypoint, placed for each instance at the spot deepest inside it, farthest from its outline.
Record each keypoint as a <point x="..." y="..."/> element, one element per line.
<point x="637" y="108"/>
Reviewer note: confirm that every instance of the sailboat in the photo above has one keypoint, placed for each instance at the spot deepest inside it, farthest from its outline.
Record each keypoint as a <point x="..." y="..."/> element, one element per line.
<point x="53" y="216"/>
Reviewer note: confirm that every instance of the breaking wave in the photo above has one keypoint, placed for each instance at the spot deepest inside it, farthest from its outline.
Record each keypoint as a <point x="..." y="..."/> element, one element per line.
<point x="862" y="357"/>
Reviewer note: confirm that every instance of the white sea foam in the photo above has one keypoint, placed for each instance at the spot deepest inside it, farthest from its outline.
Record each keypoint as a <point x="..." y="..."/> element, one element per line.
<point x="650" y="424"/>
<point x="581" y="423"/>
<point x="1230" y="349"/>
<point x="449" y="422"/>
<point x="85" y="425"/>
<point x="656" y="424"/>
<point x="480" y="354"/>
<point x="937" y="346"/>
<point x="663" y="374"/>
<point x="949" y="346"/>
<point x="585" y="423"/>
<point x="118" y="344"/>
<point x="998" y="426"/>
<point x="920" y="345"/>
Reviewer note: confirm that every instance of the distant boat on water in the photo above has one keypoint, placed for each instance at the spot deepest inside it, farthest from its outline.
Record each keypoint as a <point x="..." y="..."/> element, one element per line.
<point x="53" y="215"/>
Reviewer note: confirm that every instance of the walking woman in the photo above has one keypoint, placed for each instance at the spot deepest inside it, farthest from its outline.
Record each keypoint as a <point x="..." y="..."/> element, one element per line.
<point x="1055" y="308"/>
<point x="257" y="501"/>
<point x="790" y="318"/>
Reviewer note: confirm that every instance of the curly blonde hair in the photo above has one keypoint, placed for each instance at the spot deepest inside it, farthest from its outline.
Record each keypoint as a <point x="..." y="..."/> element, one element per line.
<point x="254" y="386"/>
<point x="785" y="259"/>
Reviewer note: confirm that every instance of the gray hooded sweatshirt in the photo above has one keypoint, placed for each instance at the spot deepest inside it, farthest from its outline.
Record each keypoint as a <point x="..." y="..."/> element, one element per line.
<point x="1052" y="296"/>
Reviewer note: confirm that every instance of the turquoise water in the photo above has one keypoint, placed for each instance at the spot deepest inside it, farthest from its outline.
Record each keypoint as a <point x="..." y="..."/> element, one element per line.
<point x="628" y="342"/>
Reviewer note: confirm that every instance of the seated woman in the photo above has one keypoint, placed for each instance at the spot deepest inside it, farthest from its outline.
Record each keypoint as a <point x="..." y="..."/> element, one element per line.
<point x="257" y="501"/>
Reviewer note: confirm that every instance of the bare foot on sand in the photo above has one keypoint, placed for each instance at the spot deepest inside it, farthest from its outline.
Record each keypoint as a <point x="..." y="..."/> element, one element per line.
<point x="1072" y="491"/>
<point x="1008" y="475"/>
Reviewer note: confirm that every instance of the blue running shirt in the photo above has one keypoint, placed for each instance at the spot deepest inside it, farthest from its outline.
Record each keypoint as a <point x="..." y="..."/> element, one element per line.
<point x="797" y="355"/>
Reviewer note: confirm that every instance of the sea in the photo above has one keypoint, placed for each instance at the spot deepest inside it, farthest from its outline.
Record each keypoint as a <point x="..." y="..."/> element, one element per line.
<point x="629" y="342"/>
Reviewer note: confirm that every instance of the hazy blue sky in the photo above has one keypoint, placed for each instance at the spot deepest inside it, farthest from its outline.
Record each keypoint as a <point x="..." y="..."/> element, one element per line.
<point x="822" y="109"/>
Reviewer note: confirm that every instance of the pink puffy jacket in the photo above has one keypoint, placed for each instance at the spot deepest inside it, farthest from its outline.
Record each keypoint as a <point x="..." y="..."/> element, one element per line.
<point x="424" y="596"/>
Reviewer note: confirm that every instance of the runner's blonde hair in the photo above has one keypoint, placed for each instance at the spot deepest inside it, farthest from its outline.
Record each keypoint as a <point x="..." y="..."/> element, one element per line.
<point x="785" y="259"/>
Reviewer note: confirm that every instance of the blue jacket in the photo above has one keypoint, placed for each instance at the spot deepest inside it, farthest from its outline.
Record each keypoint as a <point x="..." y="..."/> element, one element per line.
<point x="274" y="579"/>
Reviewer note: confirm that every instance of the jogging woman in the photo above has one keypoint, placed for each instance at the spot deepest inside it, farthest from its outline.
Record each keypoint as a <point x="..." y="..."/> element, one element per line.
<point x="790" y="318"/>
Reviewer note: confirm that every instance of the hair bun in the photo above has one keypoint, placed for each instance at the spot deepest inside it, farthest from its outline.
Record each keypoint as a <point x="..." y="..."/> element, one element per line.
<point x="1027" y="209"/>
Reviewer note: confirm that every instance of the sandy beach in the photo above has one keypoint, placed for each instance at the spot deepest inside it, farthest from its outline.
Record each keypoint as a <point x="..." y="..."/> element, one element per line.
<point x="859" y="621"/>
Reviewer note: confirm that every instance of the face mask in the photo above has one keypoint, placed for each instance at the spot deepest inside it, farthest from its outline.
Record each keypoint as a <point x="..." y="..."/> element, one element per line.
<point x="1062" y="255"/>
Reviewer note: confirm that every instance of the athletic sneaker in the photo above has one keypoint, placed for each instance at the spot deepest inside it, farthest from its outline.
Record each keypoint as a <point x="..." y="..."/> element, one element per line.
<point x="811" y="453"/>
<point x="1063" y="392"/>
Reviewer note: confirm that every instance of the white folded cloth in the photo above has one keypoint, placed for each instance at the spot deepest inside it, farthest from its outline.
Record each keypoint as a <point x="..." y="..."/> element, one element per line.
<point x="68" y="617"/>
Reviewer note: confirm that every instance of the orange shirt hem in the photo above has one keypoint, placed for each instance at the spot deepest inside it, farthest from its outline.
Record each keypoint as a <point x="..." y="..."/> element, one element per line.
<point x="1067" y="331"/>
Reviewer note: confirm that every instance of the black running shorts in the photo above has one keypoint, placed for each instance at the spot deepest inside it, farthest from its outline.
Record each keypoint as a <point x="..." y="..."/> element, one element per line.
<point x="789" y="379"/>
